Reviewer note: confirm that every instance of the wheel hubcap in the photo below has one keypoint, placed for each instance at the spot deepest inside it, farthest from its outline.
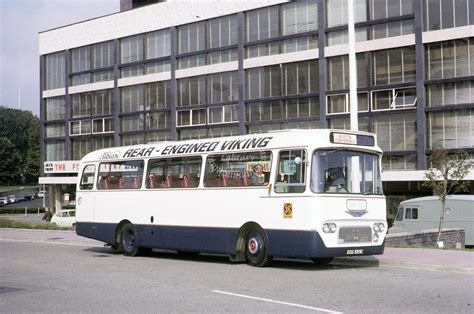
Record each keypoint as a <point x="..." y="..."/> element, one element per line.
<point x="253" y="246"/>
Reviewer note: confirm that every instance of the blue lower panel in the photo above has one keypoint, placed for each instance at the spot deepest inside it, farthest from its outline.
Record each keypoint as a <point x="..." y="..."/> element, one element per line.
<point x="223" y="241"/>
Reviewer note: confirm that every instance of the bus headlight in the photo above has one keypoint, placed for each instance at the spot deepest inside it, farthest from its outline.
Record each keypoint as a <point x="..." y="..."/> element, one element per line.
<point x="329" y="228"/>
<point x="375" y="237"/>
<point x="378" y="227"/>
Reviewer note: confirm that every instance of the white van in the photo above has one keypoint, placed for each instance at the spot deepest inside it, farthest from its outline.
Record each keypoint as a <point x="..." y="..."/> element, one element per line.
<point x="423" y="213"/>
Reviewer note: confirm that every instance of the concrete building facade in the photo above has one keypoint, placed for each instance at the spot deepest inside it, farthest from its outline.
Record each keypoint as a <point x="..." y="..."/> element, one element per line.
<point x="179" y="69"/>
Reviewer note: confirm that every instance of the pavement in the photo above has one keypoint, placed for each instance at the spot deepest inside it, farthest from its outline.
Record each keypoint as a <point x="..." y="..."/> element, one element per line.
<point x="446" y="260"/>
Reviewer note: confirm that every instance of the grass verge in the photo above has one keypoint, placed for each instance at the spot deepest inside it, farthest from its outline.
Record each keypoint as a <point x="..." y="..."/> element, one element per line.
<point x="8" y="223"/>
<point x="14" y="188"/>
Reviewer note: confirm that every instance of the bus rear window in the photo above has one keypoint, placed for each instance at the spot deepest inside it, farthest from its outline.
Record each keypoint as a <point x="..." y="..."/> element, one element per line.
<point x="120" y="175"/>
<point x="236" y="170"/>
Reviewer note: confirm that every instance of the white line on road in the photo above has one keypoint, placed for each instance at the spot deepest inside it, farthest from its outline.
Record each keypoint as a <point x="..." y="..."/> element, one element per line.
<point x="275" y="301"/>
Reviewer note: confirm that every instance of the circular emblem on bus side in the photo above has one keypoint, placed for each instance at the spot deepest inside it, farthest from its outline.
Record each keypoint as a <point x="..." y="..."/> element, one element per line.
<point x="287" y="210"/>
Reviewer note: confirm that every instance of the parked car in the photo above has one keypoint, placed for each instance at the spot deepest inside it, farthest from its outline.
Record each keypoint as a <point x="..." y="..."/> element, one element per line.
<point x="3" y="201"/>
<point x="64" y="218"/>
<point x="11" y="199"/>
<point x="42" y="194"/>
<point x="70" y="205"/>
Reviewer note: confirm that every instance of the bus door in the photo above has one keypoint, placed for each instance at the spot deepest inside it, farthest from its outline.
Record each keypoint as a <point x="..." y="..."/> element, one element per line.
<point x="290" y="172"/>
<point x="85" y="196"/>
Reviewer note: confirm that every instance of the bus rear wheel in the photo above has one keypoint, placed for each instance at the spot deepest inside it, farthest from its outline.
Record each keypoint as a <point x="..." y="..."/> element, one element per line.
<point x="256" y="248"/>
<point x="128" y="240"/>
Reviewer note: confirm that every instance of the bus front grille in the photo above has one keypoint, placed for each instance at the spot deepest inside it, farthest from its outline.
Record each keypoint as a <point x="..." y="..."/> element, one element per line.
<point x="355" y="234"/>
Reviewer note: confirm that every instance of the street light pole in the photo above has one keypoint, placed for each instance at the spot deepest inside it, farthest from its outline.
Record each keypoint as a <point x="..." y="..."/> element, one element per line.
<point x="352" y="68"/>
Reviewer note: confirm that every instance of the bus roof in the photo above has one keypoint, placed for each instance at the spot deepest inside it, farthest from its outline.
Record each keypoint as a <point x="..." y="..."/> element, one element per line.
<point x="271" y="140"/>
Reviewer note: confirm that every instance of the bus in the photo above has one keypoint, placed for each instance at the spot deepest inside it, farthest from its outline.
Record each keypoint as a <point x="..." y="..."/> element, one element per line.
<point x="311" y="194"/>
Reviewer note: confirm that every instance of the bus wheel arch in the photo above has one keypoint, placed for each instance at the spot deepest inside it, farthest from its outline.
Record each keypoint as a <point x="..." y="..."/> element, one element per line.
<point x="252" y="245"/>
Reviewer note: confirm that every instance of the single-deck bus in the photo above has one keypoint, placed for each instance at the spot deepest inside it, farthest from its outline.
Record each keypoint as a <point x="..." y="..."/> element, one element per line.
<point x="313" y="194"/>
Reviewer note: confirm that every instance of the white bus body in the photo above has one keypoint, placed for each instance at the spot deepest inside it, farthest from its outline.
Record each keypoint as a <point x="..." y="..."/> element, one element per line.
<point x="195" y="196"/>
<point x="423" y="214"/>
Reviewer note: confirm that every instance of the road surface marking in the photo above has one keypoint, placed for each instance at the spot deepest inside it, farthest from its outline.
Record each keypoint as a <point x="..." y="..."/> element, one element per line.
<point x="275" y="301"/>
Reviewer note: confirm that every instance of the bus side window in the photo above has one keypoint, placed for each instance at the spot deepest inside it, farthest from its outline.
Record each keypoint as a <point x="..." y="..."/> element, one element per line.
<point x="291" y="172"/>
<point x="174" y="173"/>
<point x="120" y="175"/>
<point x="87" y="179"/>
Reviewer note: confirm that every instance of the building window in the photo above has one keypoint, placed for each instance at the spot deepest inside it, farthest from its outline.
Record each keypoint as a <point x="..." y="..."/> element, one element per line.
<point x="55" y="70"/>
<point x="338" y="72"/>
<point x="300" y="77"/>
<point x="381" y="9"/>
<point x="102" y="76"/>
<point x="222" y="87"/>
<point x="449" y="59"/>
<point x="80" y="148"/>
<point x="80" y="127"/>
<point x="446" y="94"/>
<point x="340" y="103"/>
<point x="158" y="95"/>
<point x="192" y="91"/>
<point x="102" y="102"/>
<point x="450" y="129"/>
<point x="156" y="137"/>
<point x="55" y="151"/>
<point x="192" y="134"/>
<point x="394" y="66"/>
<point x="132" y="139"/>
<point x="337" y="12"/>
<point x="191" y="117"/>
<point x="80" y="59"/>
<point x="345" y="123"/>
<point x="131" y="98"/>
<point x="55" y="108"/>
<point x="132" y="123"/>
<point x="392" y="29"/>
<point x="222" y="31"/>
<point x="396" y="132"/>
<point x="223" y="114"/>
<point x="103" y="55"/>
<point x="223" y="131"/>
<point x="157" y="67"/>
<point x="442" y="14"/>
<point x="397" y="98"/>
<point x="158" y="120"/>
<point x="399" y="162"/>
<point x="134" y="70"/>
<point x="262" y="24"/>
<point x="131" y="49"/>
<point x="55" y="130"/>
<point x="191" y="37"/>
<point x="105" y="125"/>
<point x="102" y="142"/>
<point x="263" y="82"/>
<point x="81" y="105"/>
<point x="158" y="44"/>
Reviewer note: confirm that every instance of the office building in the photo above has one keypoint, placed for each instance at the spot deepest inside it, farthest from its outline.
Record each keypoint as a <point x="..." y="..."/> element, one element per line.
<point x="178" y="70"/>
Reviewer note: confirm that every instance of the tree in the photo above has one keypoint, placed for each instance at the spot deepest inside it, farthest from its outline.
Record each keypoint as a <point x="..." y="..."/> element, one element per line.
<point x="445" y="176"/>
<point x="21" y="129"/>
<point x="9" y="156"/>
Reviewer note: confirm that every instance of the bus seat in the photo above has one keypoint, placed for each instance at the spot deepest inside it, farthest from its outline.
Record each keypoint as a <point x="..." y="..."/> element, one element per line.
<point x="184" y="181"/>
<point x="192" y="180"/>
<point x="121" y="183"/>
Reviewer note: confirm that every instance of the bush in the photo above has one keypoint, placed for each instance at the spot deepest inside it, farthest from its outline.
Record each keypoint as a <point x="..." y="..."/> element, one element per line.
<point x="7" y="223"/>
<point x="13" y="211"/>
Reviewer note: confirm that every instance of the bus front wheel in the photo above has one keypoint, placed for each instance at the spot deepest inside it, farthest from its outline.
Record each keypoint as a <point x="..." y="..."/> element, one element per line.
<point x="128" y="240"/>
<point x="256" y="248"/>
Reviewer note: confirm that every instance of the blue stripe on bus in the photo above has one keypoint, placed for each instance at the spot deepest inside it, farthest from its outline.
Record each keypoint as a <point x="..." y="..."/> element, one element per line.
<point x="285" y="243"/>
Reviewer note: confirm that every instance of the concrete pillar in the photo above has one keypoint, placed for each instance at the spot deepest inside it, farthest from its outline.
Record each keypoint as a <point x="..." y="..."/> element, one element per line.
<point x="51" y="196"/>
<point x="57" y="197"/>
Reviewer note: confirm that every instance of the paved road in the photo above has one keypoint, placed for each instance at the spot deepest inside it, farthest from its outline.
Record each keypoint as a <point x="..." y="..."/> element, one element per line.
<point x="29" y="204"/>
<point x="62" y="276"/>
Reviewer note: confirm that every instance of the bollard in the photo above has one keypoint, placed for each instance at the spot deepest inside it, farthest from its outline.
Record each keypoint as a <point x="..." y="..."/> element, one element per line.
<point x="38" y="211"/>
<point x="26" y="210"/>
